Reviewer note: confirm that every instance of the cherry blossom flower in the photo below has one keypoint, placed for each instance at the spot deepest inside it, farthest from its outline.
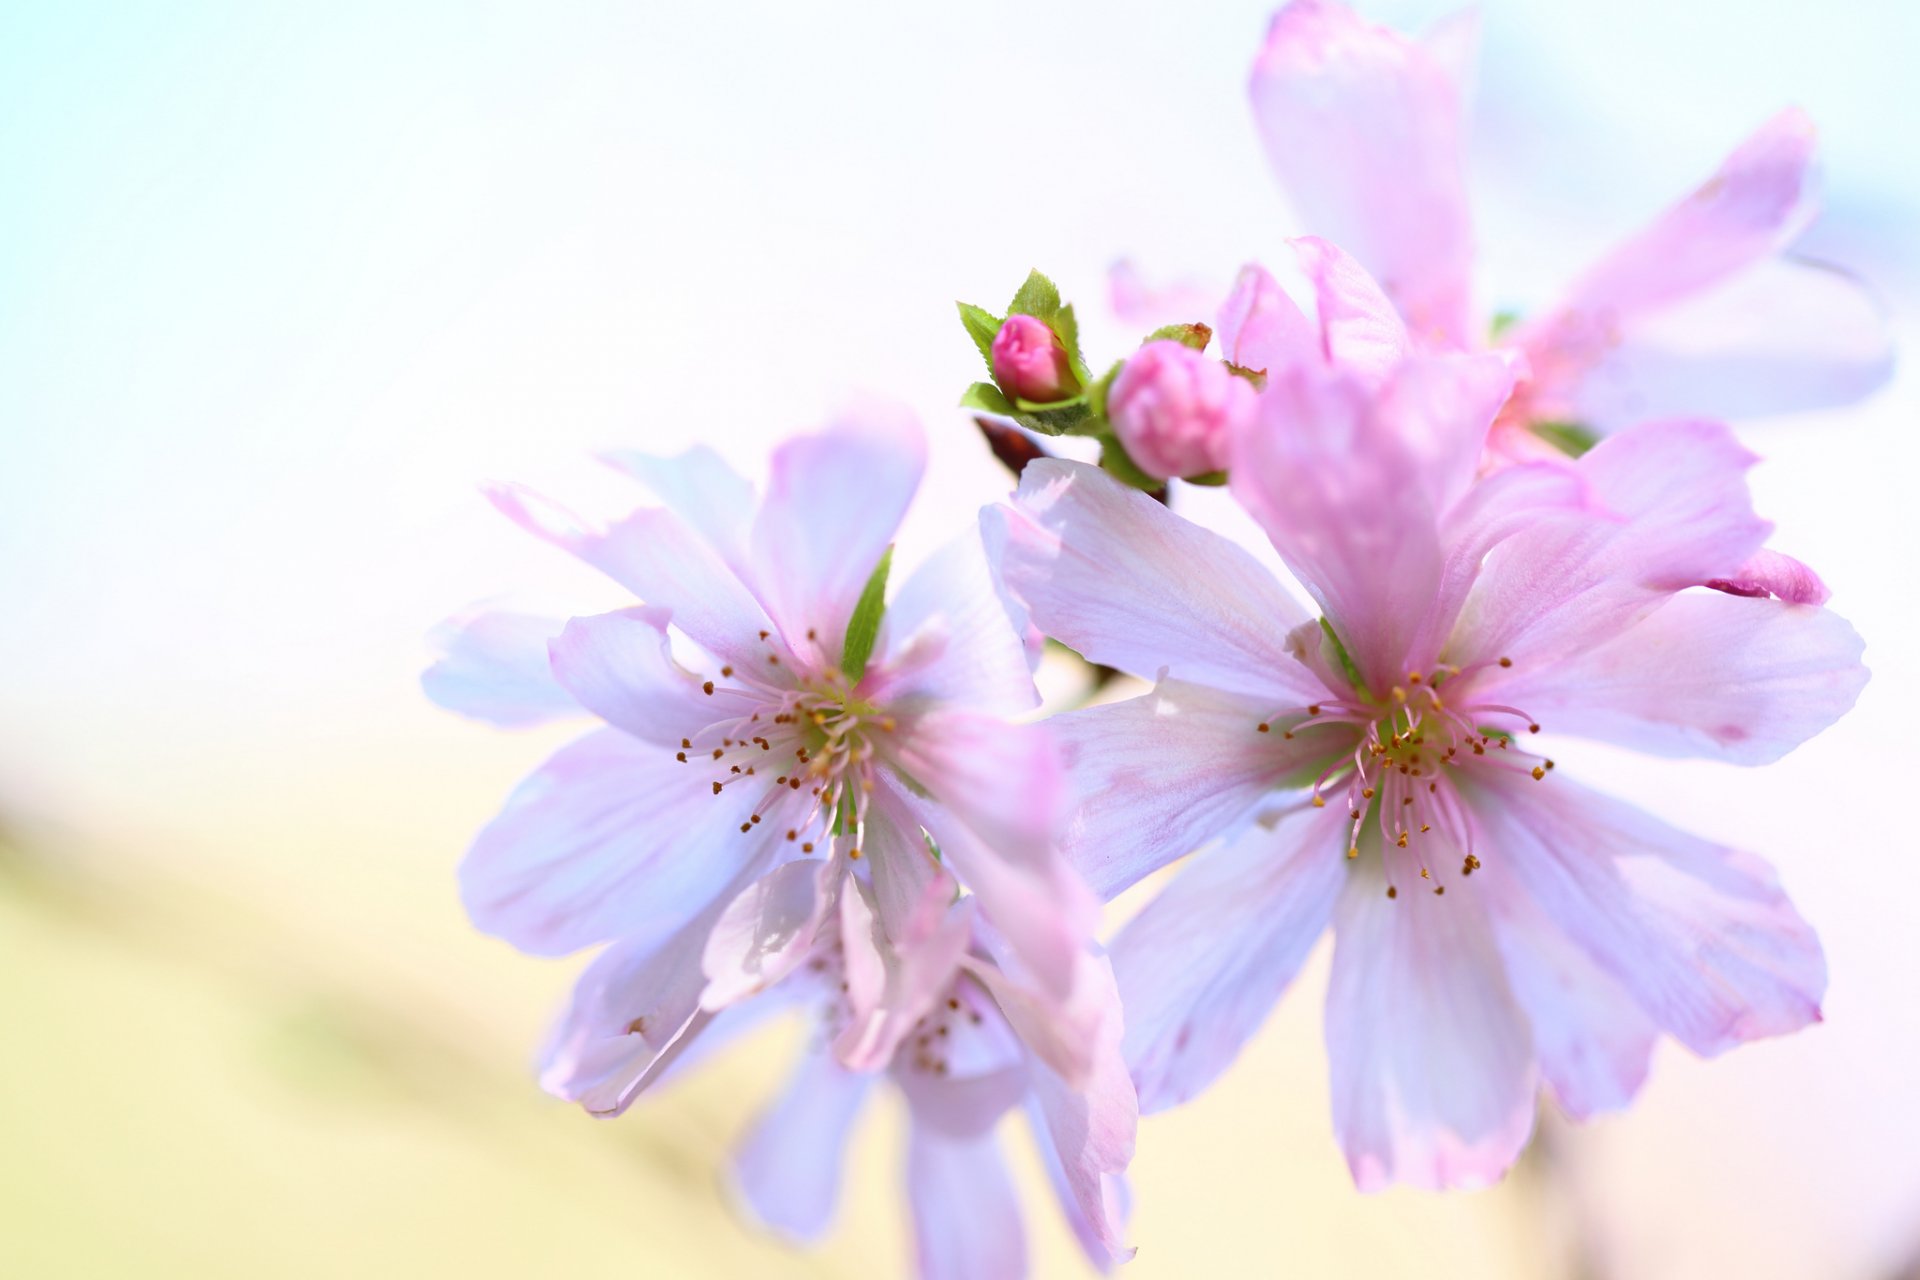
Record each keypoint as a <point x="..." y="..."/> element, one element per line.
<point x="1373" y="770"/>
<point x="1700" y="313"/>
<point x="773" y="727"/>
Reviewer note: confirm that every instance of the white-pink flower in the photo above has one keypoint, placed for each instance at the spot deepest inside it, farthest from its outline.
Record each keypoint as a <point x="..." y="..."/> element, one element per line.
<point x="765" y="760"/>
<point x="1374" y="771"/>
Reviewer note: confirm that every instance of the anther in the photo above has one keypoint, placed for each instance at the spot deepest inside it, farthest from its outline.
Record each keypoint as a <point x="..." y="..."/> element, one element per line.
<point x="807" y="847"/>
<point x="1264" y="727"/>
<point x="716" y="788"/>
<point x="1392" y="892"/>
<point x="726" y="671"/>
<point x="854" y="854"/>
<point x="1538" y="773"/>
<point x="1506" y="662"/>
<point x="707" y="688"/>
<point x="1353" y="850"/>
<point x="1314" y="710"/>
<point x="681" y="756"/>
<point x="1318" y="803"/>
<point x="793" y="835"/>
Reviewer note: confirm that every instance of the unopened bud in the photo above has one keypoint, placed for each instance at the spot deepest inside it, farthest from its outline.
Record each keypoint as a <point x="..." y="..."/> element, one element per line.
<point x="1030" y="363"/>
<point x="1175" y="409"/>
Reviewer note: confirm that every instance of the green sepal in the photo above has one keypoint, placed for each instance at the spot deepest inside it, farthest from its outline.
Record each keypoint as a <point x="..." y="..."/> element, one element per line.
<point x="863" y="628"/>
<point x="1211" y="479"/>
<point x="1258" y="377"/>
<point x="1569" y="438"/>
<point x="982" y="326"/>
<point x="1036" y="297"/>
<point x="1115" y="462"/>
<point x="1503" y="322"/>
<point x="1194" y="335"/>
<point x="1064" y="418"/>
<point x="1347" y="668"/>
<point x="987" y="398"/>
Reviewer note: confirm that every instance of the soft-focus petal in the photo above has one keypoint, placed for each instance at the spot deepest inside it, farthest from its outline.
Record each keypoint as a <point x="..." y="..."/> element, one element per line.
<point x="1262" y="328"/>
<point x="768" y="930"/>
<point x="1700" y="935"/>
<point x="1360" y="330"/>
<point x="833" y="502"/>
<point x="950" y="636"/>
<point x="493" y="667"/>
<point x="1769" y="573"/>
<point x="1161" y="775"/>
<point x="620" y="667"/>
<point x="1363" y="128"/>
<point x="1125" y="582"/>
<point x="1433" y="1069"/>
<point x="1151" y="304"/>
<point x="893" y="980"/>
<point x="966" y="1218"/>
<point x="1708" y="674"/>
<point x="700" y="488"/>
<point x="662" y="560"/>
<point x="609" y="837"/>
<point x="1200" y="968"/>
<point x="788" y="1170"/>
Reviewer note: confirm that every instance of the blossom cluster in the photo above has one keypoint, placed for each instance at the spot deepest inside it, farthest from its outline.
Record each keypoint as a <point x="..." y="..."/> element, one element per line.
<point x="813" y="790"/>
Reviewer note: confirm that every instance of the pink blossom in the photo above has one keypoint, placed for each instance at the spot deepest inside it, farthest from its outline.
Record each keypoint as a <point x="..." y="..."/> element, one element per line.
<point x="1030" y="362"/>
<point x="1374" y="770"/>
<point x="742" y="774"/>
<point x="1175" y="408"/>
<point x="1701" y="313"/>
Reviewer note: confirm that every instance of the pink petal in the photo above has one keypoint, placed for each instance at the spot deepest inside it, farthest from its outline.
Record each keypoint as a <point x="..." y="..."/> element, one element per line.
<point x="833" y="503"/>
<point x="1361" y="331"/>
<point x="1707" y="674"/>
<point x="493" y="667"/>
<point x="1364" y="129"/>
<point x="620" y="667"/>
<point x="608" y="838"/>
<point x="1699" y="935"/>
<point x="1769" y="573"/>
<point x="768" y="930"/>
<point x="1125" y="582"/>
<point x="658" y="557"/>
<point x="1262" y="328"/>
<point x="716" y="501"/>
<point x="1152" y="304"/>
<point x="966" y="1217"/>
<point x="893" y="980"/>
<point x="1163" y="774"/>
<point x="1201" y="967"/>
<point x="787" y="1173"/>
<point x="1432" y="1064"/>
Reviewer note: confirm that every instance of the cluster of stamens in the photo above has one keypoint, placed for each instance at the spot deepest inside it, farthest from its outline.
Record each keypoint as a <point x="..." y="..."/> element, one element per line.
<point x="1405" y="746"/>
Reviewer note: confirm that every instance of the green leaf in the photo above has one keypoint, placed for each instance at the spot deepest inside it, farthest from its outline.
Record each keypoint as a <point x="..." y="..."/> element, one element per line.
<point x="1067" y="418"/>
<point x="981" y="325"/>
<point x="1067" y="329"/>
<point x="1211" y="479"/>
<point x="1115" y="462"/>
<point x="863" y="629"/>
<point x="1194" y="335"/>
<point x="987" y="398"/>
<point x="1568" y="437"/>
<point x="1037" y="298"/>
<point x="1345" y="659"/>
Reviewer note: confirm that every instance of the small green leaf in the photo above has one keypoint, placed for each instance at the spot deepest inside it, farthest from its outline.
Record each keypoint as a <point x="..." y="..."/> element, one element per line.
<point x="982" y="325"/>
<point x="1037" y="298"/>
<point x="1211" y="479"/>
<point x="1195" y="335"/>
<point x="987" y="398"/>
<point x="863" y="629"/>
<point x="1066" y="418"/>
<point x="1345" y="659"/>
<point x="1067" y="329"/>
<point x="1258" y="377"/>
<point x="1503" y="322"/>
<point x="1568" y="437"/>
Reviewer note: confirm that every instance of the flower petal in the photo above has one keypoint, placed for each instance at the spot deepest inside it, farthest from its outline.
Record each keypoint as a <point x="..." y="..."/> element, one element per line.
<point x="1262" y="328"/>
<point x="620" y="667"/>
<point x="787" y="1172"/>
<point x="768" y="930"/>
<point x="1364" y="129"/>
<point x="698" y="486"/>
<point x="493" y="667"/>
<point x="1125" y="582"/>
<point x="1151" y="304"/>
<point x="1433" y="1068"/>
<point x="1707" y="674"/>
<point x="1163" y="774"/>
<point x="1700" y="935"/>
<point x="1360" y="331"/>
<point x="893" y="980"/>
<point x="1201" y="967"/>
<point x="833" y="502"/>
<point x="966" y="1217"/>
<point x="1769" y="573"/>
<point x="610" y="837"/>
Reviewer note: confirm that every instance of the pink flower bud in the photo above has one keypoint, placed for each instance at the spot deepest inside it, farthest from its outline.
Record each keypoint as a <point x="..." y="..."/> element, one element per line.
<point x="1175" y="409"/>
<point x="1030" y="363"/>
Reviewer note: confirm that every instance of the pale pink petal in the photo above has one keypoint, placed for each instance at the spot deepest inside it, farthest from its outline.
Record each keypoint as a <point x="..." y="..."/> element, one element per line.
<point x="1674" y="512"/>
<point x="1432" y="1064"/>
<point x="1364" y="129"/>
<point x="1360" y="330"/>
<point x="1152" y="304"/>
<point x="716" y="501"/>
<point x="769" y="930"/>
<point x="1163" y="774"/>
<point x="966" y="1217"/>
<point x="609" y="837"/>
<point x="1122" y="580"/>
<point x="620" y="667"/>
<point x="894" y="979"/>
<point x="1707" y="674"/>
<point x="951" y="635"/>
<point x="1200" y="968"/>
<point x="1780" y="336"/>
<point x="833" y="503"/>
<point x="1066" y="1034"/>
<point x="961" y="1106"/>
<point x="1700" y="935"/>
<point x="658" y="557"/>
<point x="1262" y="328"/>
<point x="493" y="667"/>
<point x="1769" y="573"/>
<point x="787" y="1172"/>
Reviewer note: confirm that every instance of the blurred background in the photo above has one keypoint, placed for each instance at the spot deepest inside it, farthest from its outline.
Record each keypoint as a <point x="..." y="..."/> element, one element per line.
<point x="280" y="285"/>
